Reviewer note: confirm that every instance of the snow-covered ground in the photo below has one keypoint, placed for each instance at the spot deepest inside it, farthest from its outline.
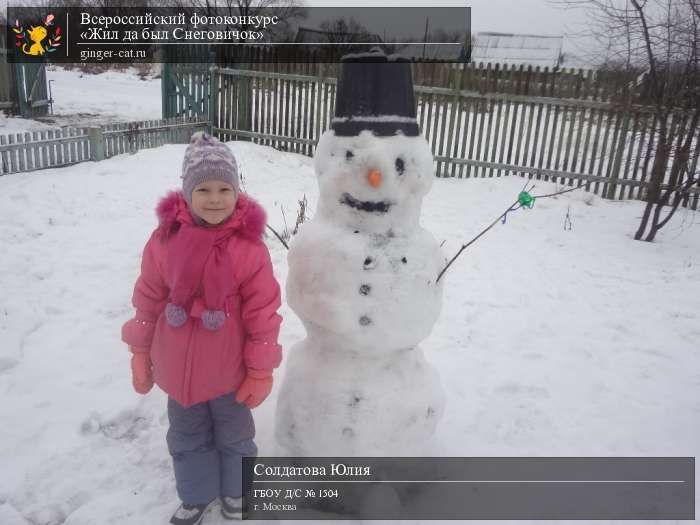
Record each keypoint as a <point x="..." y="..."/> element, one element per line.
<point x="551" y="342"/>
<point x="82" y="99"/>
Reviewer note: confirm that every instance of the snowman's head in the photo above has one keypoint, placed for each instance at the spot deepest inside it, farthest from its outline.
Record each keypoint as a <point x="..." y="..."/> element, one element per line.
<point x="372" y="183"/>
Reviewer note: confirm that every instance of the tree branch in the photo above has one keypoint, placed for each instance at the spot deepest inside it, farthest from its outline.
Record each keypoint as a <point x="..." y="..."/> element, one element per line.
<point x="647" y="41"/>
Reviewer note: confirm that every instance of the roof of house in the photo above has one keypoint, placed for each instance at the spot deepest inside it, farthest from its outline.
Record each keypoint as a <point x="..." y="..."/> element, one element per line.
<point x="510" y="48"/>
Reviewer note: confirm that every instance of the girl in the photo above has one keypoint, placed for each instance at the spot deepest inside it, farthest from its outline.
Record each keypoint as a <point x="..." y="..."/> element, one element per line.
<point x="206" y="327"/>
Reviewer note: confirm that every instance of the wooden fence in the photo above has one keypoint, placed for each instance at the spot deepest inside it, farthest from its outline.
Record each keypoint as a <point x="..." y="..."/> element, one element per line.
<point x="185" y="90"/>
<point x="471" y="134"/>
<point x="484" y="78"/>
<point x="35" y="150"/>
<point x="558" y="82"/>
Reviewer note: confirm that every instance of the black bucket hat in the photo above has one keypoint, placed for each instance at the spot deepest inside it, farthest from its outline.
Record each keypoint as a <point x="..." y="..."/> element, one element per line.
<point x="375" y="92"/>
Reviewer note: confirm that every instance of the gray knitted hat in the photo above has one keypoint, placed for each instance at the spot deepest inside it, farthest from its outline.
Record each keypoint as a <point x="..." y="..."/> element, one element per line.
<point x="207" y="159"/>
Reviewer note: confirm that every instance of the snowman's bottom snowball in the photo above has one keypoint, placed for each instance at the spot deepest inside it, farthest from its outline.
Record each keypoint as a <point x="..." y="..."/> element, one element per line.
<point x="345" y="404"/>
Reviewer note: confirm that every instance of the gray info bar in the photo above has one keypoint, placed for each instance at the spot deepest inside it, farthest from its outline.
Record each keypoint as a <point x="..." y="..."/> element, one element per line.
<point x="610" y="488"/>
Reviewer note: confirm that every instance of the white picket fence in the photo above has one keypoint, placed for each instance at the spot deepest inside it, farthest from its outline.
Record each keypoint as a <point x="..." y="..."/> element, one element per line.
<point x="29" y="151"/>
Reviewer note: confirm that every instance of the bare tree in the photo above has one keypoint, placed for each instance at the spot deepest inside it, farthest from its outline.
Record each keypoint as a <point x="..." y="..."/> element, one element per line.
<point x="345" y="30"/>
<point x="670" y="41"/>
<point x="345" y="35"/>
<point x="654" y="45"/>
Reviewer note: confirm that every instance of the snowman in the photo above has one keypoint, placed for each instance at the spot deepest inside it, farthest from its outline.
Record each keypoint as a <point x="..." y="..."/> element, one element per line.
<point x="362" y="279"/>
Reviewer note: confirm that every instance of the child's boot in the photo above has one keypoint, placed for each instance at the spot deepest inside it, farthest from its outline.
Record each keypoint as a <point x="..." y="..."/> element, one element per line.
<point x="232" y="508"/>
<point x="190" y="514"/>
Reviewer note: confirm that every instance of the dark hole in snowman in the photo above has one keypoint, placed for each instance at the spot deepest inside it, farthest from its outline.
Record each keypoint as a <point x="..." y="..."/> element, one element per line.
<point x="399" y="165"/>
<point x="364" y="320"/>
<point x="364" y="289"/>
<point x="404" y="260"/>
<point x="349" y="155"/>
<point x="369" y="263"/>
<point x="368" y="206"/>
<point x="430" y="413"/>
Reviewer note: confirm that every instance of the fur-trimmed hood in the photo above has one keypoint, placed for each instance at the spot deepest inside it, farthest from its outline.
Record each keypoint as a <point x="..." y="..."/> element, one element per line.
<point x="248" y="218"/>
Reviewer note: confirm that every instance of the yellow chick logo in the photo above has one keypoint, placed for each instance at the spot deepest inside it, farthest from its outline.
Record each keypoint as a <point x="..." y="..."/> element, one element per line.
<point x="31" y="41"/>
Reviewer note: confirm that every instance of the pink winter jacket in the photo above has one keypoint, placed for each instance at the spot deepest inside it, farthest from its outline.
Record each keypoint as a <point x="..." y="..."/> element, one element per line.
<point x="190" y="363"/>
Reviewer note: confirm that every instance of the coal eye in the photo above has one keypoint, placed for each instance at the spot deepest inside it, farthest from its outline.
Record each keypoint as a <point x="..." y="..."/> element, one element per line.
<point x="399" y="165"/>
<point x="349" y="154"/>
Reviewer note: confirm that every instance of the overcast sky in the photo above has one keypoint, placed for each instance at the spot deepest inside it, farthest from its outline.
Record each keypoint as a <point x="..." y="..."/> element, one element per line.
<point x="540" y="17"/>
<point x="508" y="16"/>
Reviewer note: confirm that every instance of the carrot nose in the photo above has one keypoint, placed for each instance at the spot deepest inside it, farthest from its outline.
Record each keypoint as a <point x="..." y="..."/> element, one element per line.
<point x="374" y="177"/>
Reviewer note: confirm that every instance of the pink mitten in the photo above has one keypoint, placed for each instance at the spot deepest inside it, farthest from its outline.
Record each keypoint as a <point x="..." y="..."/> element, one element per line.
<point x="141" y="373"/>
<point x="255" y="388"/>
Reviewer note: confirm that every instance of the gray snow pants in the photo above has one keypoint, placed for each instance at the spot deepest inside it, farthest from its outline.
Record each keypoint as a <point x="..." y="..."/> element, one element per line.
<point x="207" y="442"/>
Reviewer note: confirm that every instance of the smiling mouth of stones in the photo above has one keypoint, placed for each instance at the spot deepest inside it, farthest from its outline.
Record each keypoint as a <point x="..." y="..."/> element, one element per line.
<point x="368" y="206"/>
